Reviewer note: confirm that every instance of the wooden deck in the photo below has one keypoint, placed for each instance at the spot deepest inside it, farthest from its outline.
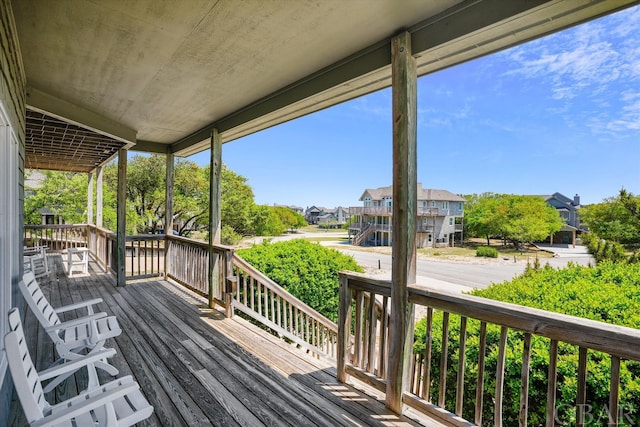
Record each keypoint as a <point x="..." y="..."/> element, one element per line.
<point x="198" y="368"/>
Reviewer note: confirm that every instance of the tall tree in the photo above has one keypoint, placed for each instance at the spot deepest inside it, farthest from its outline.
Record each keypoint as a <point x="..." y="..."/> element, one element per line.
<point x="237" y="202"/>
<point x="63" y="193"/>
<point x="291" y="219"/>
<point x="530" y="219"/>
<point x="615" y="219"/>
<point x="485" y="215"/>
<point x="145" y="190"/>
<point x="517" y="218"/>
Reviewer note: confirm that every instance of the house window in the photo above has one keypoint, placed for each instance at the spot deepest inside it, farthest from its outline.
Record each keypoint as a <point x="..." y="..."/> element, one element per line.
<point x="367" y="201"/>
<point x="445" y="205"/>
<point x="459" y="206"/>
<point x="433" y="204"/>
<point x="450" y="220"/>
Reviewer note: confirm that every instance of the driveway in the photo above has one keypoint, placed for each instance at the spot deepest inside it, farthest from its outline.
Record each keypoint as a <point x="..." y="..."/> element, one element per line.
<point x="567" y="253"/>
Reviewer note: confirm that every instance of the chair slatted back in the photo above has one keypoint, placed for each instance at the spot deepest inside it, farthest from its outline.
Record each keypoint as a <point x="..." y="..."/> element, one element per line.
<point x="37" y="302"/>
<point x="24" y="374"/>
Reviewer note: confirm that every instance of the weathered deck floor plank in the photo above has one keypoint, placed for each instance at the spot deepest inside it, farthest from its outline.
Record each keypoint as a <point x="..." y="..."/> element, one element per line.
<point x="198" y="368"/>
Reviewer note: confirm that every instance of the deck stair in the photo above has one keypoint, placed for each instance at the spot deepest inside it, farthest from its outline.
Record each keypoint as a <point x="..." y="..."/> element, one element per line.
<point x="364" y="234"/>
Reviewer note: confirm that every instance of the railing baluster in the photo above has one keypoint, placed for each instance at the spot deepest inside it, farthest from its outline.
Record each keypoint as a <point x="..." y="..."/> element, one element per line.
<point x="273" y="307"/>
<point x="614" y="391"/>
<point x="480" y="381"/>
<point x="358" y="329"/>
<point x="443" y="359"/>
<point x="502" y="353"/>
<point x="371" y="356"/>
<point x="524" y="379"/>
<point x="384" y="326"/>
<point x="259" y="297"/>
<point x="461" y="364"/>
<point x="251" y="292"/>
<point x="581" y="398"/>
<point x="426" y="382"/>
<point x="279" y="308"/>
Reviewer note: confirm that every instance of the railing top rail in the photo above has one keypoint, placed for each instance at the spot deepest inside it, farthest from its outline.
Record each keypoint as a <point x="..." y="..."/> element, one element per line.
<point x="237" y="260"/>
<point x="52" y="226"/>
<point x="367" y="283"/>
<point x="188" y="241"/>
<point x="612" y="339"/>
<point x="101" y="229"/>
<point x="217" y="247"/>
<point x="141" y="237"/>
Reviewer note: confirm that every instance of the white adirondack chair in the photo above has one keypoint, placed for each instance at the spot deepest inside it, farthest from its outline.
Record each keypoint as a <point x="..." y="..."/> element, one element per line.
<point x="117" y="403"/>
<point x="72" y="337"/>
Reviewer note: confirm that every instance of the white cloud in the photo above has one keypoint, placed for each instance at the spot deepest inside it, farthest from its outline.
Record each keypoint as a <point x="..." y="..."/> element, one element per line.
<point x="589" y="67"/>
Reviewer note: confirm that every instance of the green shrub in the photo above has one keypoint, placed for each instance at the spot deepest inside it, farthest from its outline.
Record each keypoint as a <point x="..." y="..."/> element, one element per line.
<point x="487" y="251"/>
<point x="307" y="270"/>
<point x="609" y="293"/>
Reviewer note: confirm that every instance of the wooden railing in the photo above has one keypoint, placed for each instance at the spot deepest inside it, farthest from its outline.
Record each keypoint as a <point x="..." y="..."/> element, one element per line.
<point x="144" y="256"/>
<point x="262" y="299"/>
<point x="57" y="237"/>
<point x="101" y="244"/>
<point x="239" y="286"/>
<point x="188" y="263"/>
<point x="364" y="340"/>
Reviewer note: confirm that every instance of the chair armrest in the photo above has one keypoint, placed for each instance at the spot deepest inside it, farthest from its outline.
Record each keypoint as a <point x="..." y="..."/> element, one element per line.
<point x="74" y="365"/>
<point x="82" y="304"/>
<point x="76" y="322"/>
<point x="86" y="405"/>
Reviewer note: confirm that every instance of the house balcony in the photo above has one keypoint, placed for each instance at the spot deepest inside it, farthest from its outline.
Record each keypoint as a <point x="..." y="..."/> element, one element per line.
<point x="388" y="211"/>
<point x="196" y="365"/>
<point x="201" y="352"/>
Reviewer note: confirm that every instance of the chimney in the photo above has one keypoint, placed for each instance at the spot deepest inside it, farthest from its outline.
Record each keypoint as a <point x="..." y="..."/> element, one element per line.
<point x="576" y="200"/>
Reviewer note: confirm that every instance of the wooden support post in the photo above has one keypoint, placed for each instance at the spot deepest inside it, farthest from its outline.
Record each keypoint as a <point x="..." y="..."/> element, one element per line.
<point x="215" y="172"/>
<point x="168" y="212"/>
<point x="121" y="212"/>
<point x="230" y="282"/>
<point x="90" y="199"/>
<point x="403" y="273"/>
<point x="344" y="329"/>
<point x="99" y="196"/>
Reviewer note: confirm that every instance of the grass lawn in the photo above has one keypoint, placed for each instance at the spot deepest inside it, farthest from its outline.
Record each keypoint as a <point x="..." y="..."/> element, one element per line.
<point x="467" y="250"/>
<point x="317" y="229"/>
<point x="326" y="239"/>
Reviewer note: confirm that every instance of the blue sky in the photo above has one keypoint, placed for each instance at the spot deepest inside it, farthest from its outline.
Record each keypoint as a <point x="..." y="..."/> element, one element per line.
<point x="560" y="113"/>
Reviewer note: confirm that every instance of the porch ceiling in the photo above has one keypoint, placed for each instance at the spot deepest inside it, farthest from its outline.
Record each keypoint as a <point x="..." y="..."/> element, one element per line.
<point x="162" y="74"/>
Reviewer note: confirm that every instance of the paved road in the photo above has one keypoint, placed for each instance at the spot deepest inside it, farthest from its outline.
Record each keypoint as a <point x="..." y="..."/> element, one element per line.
<point x="461" y="275"/>
<point x="450" y="275"/>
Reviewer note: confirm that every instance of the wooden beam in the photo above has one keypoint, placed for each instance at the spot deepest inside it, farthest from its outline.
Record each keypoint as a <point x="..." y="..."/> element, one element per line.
<point x="99" y="193"/>
<point x="121" y="228"/>
<point x="43" y="102"/>
<point x="214" y="215"/>
<point x="90" y="198"/>
<point x="404" y="111"/>
<point x="168" y="211"/>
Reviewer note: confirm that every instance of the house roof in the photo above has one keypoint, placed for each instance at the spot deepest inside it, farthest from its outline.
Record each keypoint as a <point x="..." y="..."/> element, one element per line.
<point x="423" y="194"/>
<point x="162" y="75"/>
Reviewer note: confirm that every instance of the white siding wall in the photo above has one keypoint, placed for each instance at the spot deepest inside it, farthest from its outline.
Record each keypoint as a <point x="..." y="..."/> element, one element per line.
<point x="12" y="131"/>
